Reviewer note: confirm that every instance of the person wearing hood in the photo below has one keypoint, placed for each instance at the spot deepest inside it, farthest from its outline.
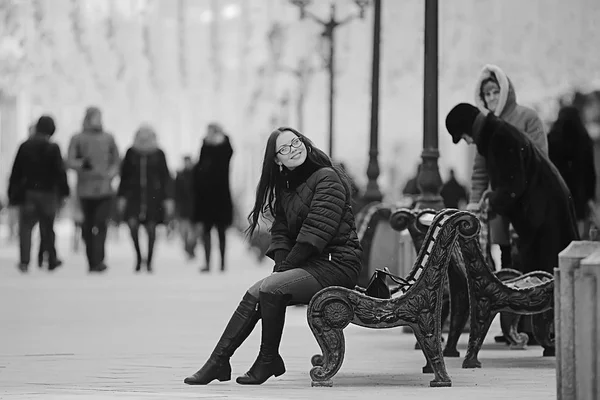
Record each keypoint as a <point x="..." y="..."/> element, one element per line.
<point x="145" y="192"/>
<point x="526" y="188"/>
<point x="495" y="93"/>
<point x="94" y="155"/>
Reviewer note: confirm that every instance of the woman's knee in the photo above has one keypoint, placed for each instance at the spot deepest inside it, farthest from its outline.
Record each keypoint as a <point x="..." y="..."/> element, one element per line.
<point x="255" y="289"/>
<point x="269" y="285"/>
<point x="301" y="287"/>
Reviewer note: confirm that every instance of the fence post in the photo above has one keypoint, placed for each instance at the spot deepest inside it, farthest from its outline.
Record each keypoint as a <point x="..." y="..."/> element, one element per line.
<point x="572" y="297"/>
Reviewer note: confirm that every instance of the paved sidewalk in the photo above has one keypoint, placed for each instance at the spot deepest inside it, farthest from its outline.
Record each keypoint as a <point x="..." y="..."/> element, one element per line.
<point x="119" y="335"/>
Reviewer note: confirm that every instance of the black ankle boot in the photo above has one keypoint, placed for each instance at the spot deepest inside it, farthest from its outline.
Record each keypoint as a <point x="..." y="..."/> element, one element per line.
<point x="240" y="326"/>
<point x="215" y="368"/>
<point x="263" y="368"/>
<point x="268" y="363"/>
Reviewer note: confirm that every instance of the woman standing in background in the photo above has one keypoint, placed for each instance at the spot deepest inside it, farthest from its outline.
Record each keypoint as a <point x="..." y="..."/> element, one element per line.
<point x="145" y="191"/>
<point x="212" y="204"/>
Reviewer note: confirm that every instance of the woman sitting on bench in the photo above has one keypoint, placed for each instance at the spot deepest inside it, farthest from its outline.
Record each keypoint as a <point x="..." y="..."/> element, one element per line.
<point x="313" y="242"/>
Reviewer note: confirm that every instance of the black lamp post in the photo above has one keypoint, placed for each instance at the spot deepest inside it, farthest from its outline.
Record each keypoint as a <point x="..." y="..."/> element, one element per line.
<point x="373" y="193"/>
<point x="329" y="35"/>
<point x="429" y="180"/>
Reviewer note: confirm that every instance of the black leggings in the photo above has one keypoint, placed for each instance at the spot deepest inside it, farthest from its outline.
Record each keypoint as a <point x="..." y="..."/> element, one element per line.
<point x="134" y="228"/>
<point x="221" y="230"/>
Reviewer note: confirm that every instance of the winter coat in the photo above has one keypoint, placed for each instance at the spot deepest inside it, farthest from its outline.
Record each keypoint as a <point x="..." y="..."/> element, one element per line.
<point x="571" y="151"/>
<point x="212" y="197"/>
<point x="145" y="184"/>
<point x="528" y="190"/>
<point x="38" y="166"/>
<point x="524" y="119"/>
<point x="184" y="194"/>
<point x="317" y="211"/>
<point x="95" y="157"/>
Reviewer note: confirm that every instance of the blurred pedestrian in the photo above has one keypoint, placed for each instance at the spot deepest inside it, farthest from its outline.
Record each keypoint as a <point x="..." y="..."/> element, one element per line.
<point x="184" y="206"/>
<point x="213" y="207"/>
<point x="571" y="151"/>
<point x="453" y="193"/>
<point x="145" y="191"/>
<point x="94" y="155"/>
<point x="38" y="185"/>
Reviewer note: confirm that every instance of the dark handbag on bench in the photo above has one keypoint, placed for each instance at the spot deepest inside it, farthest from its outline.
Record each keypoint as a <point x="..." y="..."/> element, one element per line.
<point x="378" y="287"/>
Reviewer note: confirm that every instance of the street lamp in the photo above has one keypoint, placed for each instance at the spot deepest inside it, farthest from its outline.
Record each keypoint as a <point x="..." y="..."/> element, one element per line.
<point x="373" y="193"/>
<point x="328" y="34"/>
<point x="429" y="180"/>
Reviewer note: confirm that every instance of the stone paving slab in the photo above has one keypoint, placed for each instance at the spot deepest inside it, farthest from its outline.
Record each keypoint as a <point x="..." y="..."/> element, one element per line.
<point x="124" y="336"/>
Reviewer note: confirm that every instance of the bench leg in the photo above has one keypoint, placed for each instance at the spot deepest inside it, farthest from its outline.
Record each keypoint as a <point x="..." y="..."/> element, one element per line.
<point x="543" y="331"/>
<point x="327" y="321"/>
<point x="508" y="321"/>
<point x="459" y="303"/>
<point x="481" y="319"/>
<point x="432" y="349"/>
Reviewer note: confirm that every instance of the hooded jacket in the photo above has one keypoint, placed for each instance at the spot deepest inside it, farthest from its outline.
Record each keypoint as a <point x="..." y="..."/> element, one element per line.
<point x="93" y="153"/>
<point x="524" y="119"/>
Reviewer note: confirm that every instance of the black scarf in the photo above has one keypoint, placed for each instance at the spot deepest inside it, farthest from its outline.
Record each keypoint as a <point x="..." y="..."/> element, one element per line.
<point x="291" y="179"/>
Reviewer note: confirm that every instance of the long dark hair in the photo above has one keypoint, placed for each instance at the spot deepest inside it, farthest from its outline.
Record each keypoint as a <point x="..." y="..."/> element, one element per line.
<point x="268" y="188"/>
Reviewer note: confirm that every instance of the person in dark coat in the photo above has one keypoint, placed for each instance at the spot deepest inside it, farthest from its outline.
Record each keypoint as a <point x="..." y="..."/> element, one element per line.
<point x="184" y="205"/>
<point x="453" y="193"/>
<point x="38" y="185"/>
<point x="314" y="245"/>
<point x="145" y="194"/>
<point x="526" y="187"/>
<point x="42" y="254"/>
<point x="212" y="203"/>
<point x="571" y="151"/>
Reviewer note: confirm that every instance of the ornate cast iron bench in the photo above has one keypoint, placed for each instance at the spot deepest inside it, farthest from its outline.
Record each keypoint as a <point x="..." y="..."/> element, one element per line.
<point x="417" y="222"/>
<point x="543" y="328"/>
<point x="529" y="294"/>
<point x="417" y="305"/>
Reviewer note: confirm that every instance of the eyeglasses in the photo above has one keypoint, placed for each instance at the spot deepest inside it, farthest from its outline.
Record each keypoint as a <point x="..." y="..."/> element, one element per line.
<point x="287" y="148"/>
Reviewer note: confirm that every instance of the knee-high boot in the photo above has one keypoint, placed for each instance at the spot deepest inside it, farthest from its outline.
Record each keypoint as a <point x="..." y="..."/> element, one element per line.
<point x="269" y="362"/>
<point x="240" y="326"/>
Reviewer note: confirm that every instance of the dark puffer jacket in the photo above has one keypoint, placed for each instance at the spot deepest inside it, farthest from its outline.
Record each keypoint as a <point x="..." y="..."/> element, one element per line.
<point x="315" y="210"/>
